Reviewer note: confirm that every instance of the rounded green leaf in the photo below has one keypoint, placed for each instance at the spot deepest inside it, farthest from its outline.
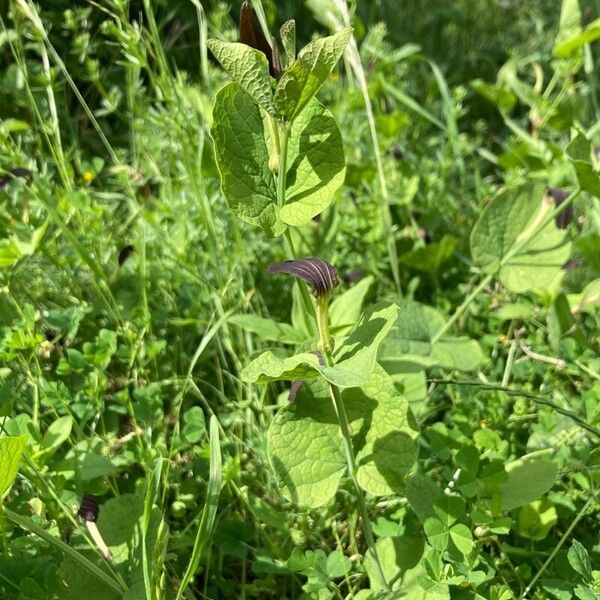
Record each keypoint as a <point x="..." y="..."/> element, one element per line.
<point x="536" y="519"/>
<point x="303" y="78"/>
<point x="305" y="447"/>
<point x="462" y="538"/>
<point x="421" y="493"/>
<point x="508" y="239"/>
<point x="390" y="448"/>
<point x="449" y="509"/>
<point x="11" y="449"/>
<point x="242" y="156"/>
<point x="270" y="367"/>
<point x="396" y="555"/>
<point x="354" y="358"/>
<point x="248" y="67"/>
<point x="410" y="346"/>
<point x="437" y="533"/>
<point x="528" y="479"/>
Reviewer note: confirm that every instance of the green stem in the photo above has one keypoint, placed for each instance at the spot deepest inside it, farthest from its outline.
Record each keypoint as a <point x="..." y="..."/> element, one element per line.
<point x="275" y="158"/>
<point x="282" y="169"/>
<point x="340" y="409"/>
<point x="562" y="540"/>
<point x="282" y="147"/>
<point x="324" y="335"/>
<point x="461" y="309"/>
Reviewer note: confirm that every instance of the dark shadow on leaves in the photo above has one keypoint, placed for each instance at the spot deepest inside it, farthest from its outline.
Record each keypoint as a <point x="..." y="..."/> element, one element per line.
<point x="360" y="338"/>
<point x="390" y="445"/>
<point x="317" y="153"/>
<point x="284" y="477"/>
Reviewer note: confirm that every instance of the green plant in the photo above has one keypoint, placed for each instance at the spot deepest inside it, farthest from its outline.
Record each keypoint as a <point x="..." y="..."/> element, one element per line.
<point x="136" y="307"/>
<point x="280" y="157"/>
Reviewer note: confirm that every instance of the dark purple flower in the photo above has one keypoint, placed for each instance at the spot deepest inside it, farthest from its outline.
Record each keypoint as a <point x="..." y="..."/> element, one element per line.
<point x="318" y="273"/>
<point x="89" y="509"/>
<point x="13" y="174"/>
<point x="565" y="217"/>
<point x="251" y="34"/>
<point x="296" y="385"/>
<point x="125" y="253"/>
<point x="398" y="153"/>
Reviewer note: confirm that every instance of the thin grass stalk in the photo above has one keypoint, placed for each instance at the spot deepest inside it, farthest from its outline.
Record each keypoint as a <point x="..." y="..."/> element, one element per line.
<point x="152" y="491"/>
<point x="356" y="63"/>
<point x="209" y="511"/>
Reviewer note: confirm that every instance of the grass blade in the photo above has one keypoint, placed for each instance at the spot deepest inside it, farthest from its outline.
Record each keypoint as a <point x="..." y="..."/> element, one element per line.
<point x="209" y="511"/>
<point x="29" y="525"/>
<point x="152" y="492"/>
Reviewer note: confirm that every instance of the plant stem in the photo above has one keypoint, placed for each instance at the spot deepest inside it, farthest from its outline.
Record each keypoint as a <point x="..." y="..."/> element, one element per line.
<point x="465" y="303"/>
<point x="274" y="159"/>
<point x="562" y="540"/>
<point x="282" y="146"/>
<point x="324" y="335"/>
<point x="282" y="170"/>
<point x="340" y="409"/>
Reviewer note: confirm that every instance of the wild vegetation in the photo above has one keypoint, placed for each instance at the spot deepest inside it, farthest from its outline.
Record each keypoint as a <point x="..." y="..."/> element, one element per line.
<point x="299" y="300"/>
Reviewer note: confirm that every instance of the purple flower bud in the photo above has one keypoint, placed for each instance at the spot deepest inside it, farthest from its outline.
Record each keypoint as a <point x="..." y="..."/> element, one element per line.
<point x="566" y="216"/>
<point x="318" y="273"/>
<point x="296" y="385"/>
<point x="251" y="34"/>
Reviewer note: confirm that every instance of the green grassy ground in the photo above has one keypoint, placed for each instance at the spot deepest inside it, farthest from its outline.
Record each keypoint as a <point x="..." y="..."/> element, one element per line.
<point x="123" y="272"/>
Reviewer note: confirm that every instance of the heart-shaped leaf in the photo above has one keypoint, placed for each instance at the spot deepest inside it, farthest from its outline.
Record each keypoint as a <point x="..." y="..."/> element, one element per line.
<point x="244" y="146"/>
<point x="410" y="344"/>
<point x="306" y="450"/>
<point x="508" y="239"/>
<point x="243" y="159"/>
<point x="353" y="360"/>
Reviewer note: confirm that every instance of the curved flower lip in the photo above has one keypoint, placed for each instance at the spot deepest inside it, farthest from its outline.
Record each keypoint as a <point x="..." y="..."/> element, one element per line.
<point x="318" y="273"/>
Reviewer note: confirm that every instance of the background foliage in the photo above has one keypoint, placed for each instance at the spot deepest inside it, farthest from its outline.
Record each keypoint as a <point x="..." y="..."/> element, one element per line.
<point x="125" y="285"/>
